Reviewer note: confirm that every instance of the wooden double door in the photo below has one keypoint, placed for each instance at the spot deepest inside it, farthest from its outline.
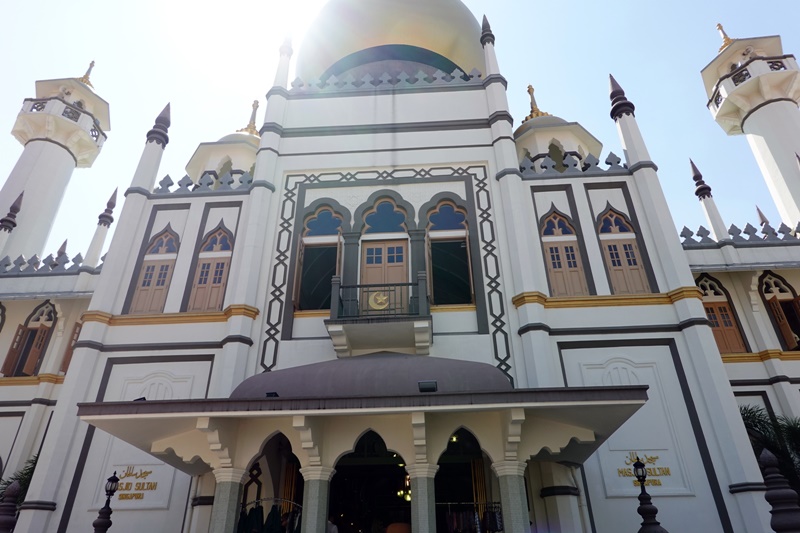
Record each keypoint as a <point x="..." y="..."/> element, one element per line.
<point x="384" y="277"/>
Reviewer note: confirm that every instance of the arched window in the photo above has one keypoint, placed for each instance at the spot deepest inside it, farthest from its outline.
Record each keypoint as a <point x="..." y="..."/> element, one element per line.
<point x="449" y="265"/>
<point x="784" y="308"/>
<point x="562" y="257"/>
<point x="30" y="341"/>
<point x="621" y="253"/>
<point x="211" y="272"/>
<point x="721" y="316"/>
<point x="155" y="274"/>
<point x="319" y="258"/>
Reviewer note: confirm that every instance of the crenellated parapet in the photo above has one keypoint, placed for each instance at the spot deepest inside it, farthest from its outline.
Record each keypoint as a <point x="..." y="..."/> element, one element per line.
<point x="387" y="82"/>
<point x="749" y="236"/>
<point x="209" y="183"/>
<point x="544" y="167"/>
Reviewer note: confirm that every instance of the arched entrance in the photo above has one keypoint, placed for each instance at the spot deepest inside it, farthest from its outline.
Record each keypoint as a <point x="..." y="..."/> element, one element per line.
<point x="464" y="488"/>
<point x="273" y="488"/>
<point x="370" y="489"/>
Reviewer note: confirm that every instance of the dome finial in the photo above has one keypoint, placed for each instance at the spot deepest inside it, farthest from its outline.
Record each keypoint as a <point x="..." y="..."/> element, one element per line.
<point x="251" y="126"/>
<point x="85" y="78"/>
<point x="535" y="111"/>
<point x="726" y="41"/>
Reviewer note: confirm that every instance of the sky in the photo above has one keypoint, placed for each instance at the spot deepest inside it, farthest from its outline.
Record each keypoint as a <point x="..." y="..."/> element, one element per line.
<point x="210" y="60"/>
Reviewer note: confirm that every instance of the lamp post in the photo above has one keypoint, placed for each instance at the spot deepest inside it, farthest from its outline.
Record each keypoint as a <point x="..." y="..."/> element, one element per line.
<point x="103" y="521"/>
<point x="647" y="510"/>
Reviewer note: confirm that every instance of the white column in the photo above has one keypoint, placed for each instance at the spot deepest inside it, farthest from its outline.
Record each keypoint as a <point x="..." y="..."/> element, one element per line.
<point x="316" y="494"/>
<point x="512" y="496"/>
<point x="227" y="499"/>
<point x="423" y="497"/>
<point x="560" y="496"/>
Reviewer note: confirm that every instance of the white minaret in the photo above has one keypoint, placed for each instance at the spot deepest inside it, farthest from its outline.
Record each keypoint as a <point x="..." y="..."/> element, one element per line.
<point x="754" y="89"/>
<point x="62" y="128"/>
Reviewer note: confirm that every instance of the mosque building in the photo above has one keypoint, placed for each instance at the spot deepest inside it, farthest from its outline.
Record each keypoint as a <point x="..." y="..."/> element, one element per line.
<point x="388" y="306"/>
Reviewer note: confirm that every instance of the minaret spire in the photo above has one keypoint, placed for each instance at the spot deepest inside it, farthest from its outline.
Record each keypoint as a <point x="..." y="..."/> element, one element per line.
<point x="158" y="134"/>
<point x="85" y="78"/>
<point x="105" y="218"/>
<point x="726" y="41"/>
<point x="251" y="126"/>
<point x="703" y="190"/>
<point x="713" y="216"/>
<point x="762" y="219"/>
<point x="9" y="222"/>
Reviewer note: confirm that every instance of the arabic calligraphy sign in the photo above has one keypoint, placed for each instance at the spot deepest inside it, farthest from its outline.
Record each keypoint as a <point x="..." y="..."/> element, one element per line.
<point x="654" y="472"/>
<point x="143" y="485"/>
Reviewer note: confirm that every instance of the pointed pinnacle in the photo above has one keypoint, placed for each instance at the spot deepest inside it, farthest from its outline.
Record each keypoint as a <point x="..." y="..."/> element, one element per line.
<point x="619" y="104"/>
<point x="703" y="190"/>
<point x="17" y="205"/>
<point x="286" y="47"/>
<point x="112" y="202"/>
<point x="63" y="249"/>
<point x="486" y="32"/>
<point x="164" y="117"/>
<point x="762" y="220"/>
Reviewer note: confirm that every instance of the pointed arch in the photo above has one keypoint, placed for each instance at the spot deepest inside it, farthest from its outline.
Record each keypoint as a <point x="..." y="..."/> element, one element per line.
<point x="155" y="274"/>
<point x="624" y="262"/>
<point x="30" y="341"/>
<point x="212" y="267"/>
<point x="783" y="306"/>
<point x="562" y="255"/>
<point x="722" y="316"/>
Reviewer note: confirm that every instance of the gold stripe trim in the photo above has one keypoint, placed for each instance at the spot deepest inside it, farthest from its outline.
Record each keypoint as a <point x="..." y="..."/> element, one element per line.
<point x="606" y="301"/>
<point x="32" y="380"/>
<point x="171" y="318"/>
<point x="760" y="357"/>
<point x="453" y="308"/>
<point x="322" y="313"/>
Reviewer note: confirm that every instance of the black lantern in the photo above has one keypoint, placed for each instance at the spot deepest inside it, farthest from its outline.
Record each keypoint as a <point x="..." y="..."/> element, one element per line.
<point x="103" y="520"/>
<point x="647" y="510"/>
<point x="112" y="485"/>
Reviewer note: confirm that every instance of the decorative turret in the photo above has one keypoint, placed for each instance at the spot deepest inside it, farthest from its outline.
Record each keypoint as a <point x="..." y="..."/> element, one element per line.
<point x="234" y="153"/>
<point x="486" y="32"/>
<point x="146" y="172"/>
<point x="703" y="192"/>
<point x="103" y="223"/>
<point x="753" y="89"/>
<point x="62" y="128"/>
<point x="9" y="222"/>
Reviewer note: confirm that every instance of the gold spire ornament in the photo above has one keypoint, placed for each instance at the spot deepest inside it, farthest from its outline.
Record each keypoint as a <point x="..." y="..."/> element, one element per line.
<point x="251" y="127"/>
<point x="535" y="111"/>
<point x="85" y="78"/>
<point x="726" y="41"/>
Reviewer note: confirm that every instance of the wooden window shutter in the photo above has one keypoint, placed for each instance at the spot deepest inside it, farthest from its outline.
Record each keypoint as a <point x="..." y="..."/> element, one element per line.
<point x="429" y="268"/>
<point x="13" y="352"/>
<point x="163" y="277"/>
<point x="76" y="331"/>
<point x="198" y="300"/>
<point x="219" y="280"/>
<point x="780" y="320"/>
<point x="36" y="351"/>
<point x="298" y="275"/>
<point x="339" y="255"/>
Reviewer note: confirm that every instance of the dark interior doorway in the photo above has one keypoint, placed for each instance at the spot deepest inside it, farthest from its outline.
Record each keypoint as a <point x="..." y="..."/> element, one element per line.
<point x="370" y="488"/>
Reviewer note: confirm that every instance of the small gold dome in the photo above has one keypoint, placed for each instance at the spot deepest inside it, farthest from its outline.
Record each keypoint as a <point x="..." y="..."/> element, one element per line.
<point x="446" y="27"/>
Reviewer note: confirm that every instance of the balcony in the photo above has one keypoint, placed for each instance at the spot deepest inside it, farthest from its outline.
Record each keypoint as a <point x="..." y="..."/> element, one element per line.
<point x="375" y="318"/>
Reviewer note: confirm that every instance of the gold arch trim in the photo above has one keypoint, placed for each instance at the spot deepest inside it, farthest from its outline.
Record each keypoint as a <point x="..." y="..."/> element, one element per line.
<point x="548" y="302"/>
<point x="32" y="380"/>
<point x="171" y="318"/>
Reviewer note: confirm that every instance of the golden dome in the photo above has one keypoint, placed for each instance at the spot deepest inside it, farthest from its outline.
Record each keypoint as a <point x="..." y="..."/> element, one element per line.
<point x="345" y="27"/>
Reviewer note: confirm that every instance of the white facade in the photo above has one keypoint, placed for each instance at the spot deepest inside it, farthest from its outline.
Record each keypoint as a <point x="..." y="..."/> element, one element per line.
<point x="263" y="261"/>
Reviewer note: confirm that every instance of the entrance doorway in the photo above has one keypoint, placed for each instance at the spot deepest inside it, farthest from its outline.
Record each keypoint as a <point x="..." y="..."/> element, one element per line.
<point x="370" y="490"/>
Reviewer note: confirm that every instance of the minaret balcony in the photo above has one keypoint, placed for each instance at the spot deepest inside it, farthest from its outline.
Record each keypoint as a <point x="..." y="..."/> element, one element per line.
<point x="56" y="120"/>
<point x="738" y="92"/>
<point x="371" y="318"/>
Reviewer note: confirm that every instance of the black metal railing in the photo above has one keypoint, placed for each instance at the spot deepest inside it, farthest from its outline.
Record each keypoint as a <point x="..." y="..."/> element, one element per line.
<point x="380" y="300"/>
